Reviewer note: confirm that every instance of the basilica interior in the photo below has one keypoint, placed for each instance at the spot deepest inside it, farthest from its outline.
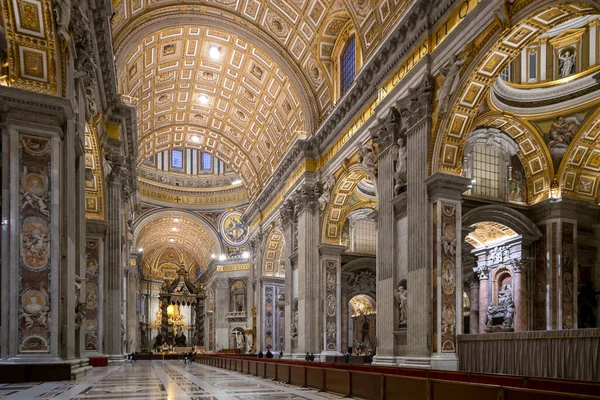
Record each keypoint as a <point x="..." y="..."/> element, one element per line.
<point x="406" y="184"/>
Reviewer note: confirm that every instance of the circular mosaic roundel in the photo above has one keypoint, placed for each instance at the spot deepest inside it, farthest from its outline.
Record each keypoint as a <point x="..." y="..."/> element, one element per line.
<point x="232" y="230"/>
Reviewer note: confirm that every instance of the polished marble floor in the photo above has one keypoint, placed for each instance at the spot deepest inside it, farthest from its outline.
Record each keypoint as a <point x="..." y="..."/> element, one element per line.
<point x="162" y="380"/>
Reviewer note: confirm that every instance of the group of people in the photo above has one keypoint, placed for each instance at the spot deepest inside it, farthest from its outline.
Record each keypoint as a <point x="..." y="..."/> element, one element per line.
<point x="188" y="358"/>
<point x="269" y="354"/>
<point x="309" y="356"/>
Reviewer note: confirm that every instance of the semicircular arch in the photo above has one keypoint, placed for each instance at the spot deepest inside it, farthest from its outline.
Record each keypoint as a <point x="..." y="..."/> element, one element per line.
<point x="341" y="197"/>
<point x="504" y="216"/>
<point x="579" y="173"/>
<point x="482" y="70"/>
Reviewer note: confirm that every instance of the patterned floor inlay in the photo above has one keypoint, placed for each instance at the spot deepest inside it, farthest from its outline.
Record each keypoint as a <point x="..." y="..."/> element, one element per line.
<point x="162" y="380"/>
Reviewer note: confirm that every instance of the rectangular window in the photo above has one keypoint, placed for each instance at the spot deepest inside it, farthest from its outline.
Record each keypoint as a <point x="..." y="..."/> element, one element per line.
<point x="177" y="159"/>
<point x="505" y="74"/>
<point x="206" y="161"/>
<point x="486" y="172"/>
<point x="532" y="65"/>
<point x="348" y="67"/>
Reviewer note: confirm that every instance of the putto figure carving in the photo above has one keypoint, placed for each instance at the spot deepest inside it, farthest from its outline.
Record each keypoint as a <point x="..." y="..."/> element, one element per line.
<point x="366" y="156"/>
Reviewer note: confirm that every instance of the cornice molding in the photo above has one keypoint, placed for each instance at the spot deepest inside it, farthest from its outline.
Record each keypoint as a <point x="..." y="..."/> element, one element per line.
<point x="410" y="29"/>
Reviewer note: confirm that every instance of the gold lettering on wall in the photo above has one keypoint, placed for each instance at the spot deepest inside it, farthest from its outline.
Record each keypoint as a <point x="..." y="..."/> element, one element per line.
<point x="232" y="268"/>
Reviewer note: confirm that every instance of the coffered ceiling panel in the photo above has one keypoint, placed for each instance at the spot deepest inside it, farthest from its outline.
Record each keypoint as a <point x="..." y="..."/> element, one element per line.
<point x="177" y="230"/>
<point x="239" y="105"/>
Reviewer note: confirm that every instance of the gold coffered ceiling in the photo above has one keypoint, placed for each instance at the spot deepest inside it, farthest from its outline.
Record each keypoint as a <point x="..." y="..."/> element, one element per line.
<point x="180" y="231"/>
<point x="273" y="82"/>
<point x="241" y="107"/>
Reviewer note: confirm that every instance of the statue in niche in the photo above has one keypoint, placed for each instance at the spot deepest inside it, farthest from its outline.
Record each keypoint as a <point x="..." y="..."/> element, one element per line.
<point x="366" y="157"/>
<point x="239" y="339"/>
<point x="489" y="318"/>
<point x="451" y="75"/>
<point x="400" y="175"/>
<point x="239" y="302"/>
<point x="325" y="197"/>
<point x="509" y="314"/>
<point x="566" y="62"/>
<point x="517" y="187"/>
<point x="107" y="166"/>
<point x="295" y="319"/>
<point x="401" y="295"/>
<point x="505" y="295"/>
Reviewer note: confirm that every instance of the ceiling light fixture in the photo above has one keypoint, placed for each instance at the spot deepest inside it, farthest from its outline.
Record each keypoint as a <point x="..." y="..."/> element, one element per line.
<point x="236" y="181"/>
<point x="245" y="254"/>
<point x="214" y="52"/>
<point x="213" y="256"/>
<point x="171" y="240"/>
<point x="222" y="257"/>
<point x="176" y="220"/>
<point x="203" y="99"/>
<point x="195" y="139"/>
<point x="174" y="229"/>
<point x="140" y="249"/>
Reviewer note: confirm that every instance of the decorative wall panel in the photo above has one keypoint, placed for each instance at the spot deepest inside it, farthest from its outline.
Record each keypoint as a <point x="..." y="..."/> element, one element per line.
<point x="92" y="293"/>
<point x="568" y="288"/>
<point x="269" y="317"/>
<point x="331" y="304"/>
<point x="31" y="45"/>
<point x="448" y="278"/>
<point x="35" y="250"/>
<point x="539" y="283"/>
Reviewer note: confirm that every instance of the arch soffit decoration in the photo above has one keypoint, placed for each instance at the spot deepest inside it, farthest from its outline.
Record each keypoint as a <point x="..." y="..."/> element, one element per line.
<point x="532" y="152"/>
<point x="505" y="216"/>
<point x="249" y="100"/>
<point x="194" y="234"/>
<point x="336" y="210"/>
<point x="94" y="190"/>
<point x="291" y="26"/>
<point x="274" y="252"/>
<point x="579" y="173"/>
<point x="483" y="71"/>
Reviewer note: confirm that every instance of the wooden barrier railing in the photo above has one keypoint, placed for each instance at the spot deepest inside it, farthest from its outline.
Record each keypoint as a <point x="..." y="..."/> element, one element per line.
<point x="403" y="384"/>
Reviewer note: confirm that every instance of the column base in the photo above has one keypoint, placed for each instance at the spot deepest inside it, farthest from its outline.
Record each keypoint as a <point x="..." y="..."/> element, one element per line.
<point x="416" y="362"/>
<point x="80" y="368"/>
<point x="117" y="358"/>
<point x="384" y="361"/>
<point x="445" y="362"/>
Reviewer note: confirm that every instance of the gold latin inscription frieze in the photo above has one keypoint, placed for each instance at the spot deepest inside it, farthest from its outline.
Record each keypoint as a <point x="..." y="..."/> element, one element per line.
<point x="232" y="268"/>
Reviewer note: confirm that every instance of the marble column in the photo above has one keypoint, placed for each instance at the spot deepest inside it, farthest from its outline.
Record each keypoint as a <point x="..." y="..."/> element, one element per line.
<point x="255" y="290"/>
<point x="309" y="272"/>
<point x="286" y="214"/>
<point x="445" y="192"/>
<point x="385" y="136"/>
<point x="331" y="265"/>
<point x="520" y="297"/>
<point x="113" y="276"/>
<point x="417" y="117"/>
<point x="560" y="273"/>
<point x="220" y="312"/>
<point x="474" y="312"/>
<point x="484" y="295"/>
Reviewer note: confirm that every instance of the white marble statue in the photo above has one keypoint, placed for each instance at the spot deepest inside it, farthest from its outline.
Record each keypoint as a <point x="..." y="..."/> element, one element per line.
<point x="366" y="156"/>
<point x="451" y="76"/>
<point x="400" y="175"/>
<point x="325" y="197"/>
<point x="401" y="295"/>
<point x="566" y="63"/>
